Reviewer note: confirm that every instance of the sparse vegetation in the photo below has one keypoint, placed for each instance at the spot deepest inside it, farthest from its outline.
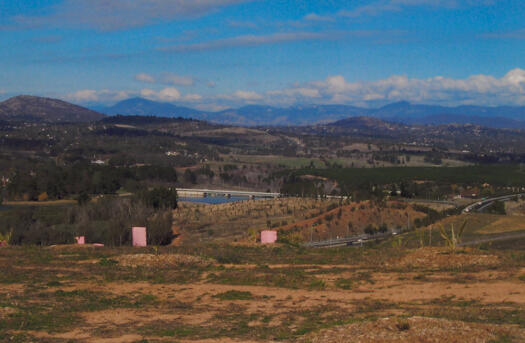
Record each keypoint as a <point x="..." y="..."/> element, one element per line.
<point x="453" y="239"/>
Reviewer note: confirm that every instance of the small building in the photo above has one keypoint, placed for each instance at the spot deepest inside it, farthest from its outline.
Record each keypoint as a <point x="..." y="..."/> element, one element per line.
<point x="81" y="240"/>
<point x="470" y="193"/>
<point x="139" y="236"/>
<point x="268" y="236"/>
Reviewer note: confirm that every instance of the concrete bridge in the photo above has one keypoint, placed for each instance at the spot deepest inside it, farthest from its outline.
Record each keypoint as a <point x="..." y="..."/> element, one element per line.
<point x="190" y="192"/>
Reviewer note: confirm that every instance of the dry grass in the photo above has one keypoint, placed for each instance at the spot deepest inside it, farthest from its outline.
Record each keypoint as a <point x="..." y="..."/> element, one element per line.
<point x="505" y="224"/>
<point x="162" y="260"/>
<point x="485" y="224"/>
<point x="303" y="218"/>
<point x="438" y="258"/>
<point x="352" y="219"/>
<point x="241" y="221"/>
<point x="414" y="329"/>
<point x="515" y="207"/>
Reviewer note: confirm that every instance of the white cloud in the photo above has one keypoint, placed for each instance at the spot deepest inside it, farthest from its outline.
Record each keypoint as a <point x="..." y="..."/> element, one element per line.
<point x="91" y="95"/>
<point x="238" y="97"/>
<point x="476" y="89"/>
<point x="121" y="14"/>
<point x="169" y="94"/>
<point x="178" y="80"/>
<point x="192" y="97"/>
<point x="296" y="92"/>
<point x="242" y="24"/>
<point x="285" y="37"/>
<point x="148" y="93"/>
<point x="384" y="6"/>
<point x="211" y="107"/>
<point x="85" y="95"/>
<point x="247" y="95"/>
<point x="480" y="89"/>
<point x="143" y="77"/>
<point x="249" y="40"/>
<point x="317" y="17"/>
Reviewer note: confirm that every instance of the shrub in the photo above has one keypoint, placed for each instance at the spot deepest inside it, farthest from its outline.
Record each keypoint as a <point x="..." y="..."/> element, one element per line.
<point x="160" y="229"/>
<point x="370" y="230"/>
<point x="159" y="198"/>
<point x="403" y="325"/>
<point x="234" y="295"/>
<point x="43" y="197"/>
<point x="452" y="239"/>
<point x="497" y="207"/>
<point x="344" y="283"/>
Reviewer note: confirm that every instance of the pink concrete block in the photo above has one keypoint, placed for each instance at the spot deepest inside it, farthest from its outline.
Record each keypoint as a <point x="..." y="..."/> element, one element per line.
<point x="98" y="244"/>
<point x="139" y="236"/>
<point x="268" y="236"/>
<point x="80" y="240"/>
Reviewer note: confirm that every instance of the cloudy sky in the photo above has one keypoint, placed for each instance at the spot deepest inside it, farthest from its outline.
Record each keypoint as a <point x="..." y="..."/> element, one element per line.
<point x="212" y="54"/>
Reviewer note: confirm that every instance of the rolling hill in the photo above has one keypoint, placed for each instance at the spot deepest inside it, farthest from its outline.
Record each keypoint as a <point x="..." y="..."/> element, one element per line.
<point x="32" y="108"/>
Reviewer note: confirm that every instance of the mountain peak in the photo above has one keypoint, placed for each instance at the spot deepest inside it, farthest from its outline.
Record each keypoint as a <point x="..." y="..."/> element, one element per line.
<point x="146" y="107"/>
<point x="45" y="109"/>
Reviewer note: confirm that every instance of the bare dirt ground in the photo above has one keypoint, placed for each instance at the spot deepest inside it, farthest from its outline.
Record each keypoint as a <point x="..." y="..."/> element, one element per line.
<point x="414" y="329"/>
<point x="247" y="293"/>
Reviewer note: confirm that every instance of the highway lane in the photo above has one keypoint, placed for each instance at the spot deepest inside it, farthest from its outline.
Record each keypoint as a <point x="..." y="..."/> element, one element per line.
<point x="481" y="205"/>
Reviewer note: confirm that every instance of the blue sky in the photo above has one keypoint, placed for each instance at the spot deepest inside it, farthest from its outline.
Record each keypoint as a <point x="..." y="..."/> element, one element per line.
<point x="212" y="54"/>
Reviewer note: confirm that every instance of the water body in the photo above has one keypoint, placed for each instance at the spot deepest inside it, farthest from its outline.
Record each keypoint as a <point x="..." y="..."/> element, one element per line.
<point x="215" y="200"/>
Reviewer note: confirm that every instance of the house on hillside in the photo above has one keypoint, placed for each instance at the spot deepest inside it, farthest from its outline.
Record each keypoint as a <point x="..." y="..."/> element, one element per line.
<point x="98" y="162"/>
<point x="470" y="193"/>
<point x="4" y="181"/>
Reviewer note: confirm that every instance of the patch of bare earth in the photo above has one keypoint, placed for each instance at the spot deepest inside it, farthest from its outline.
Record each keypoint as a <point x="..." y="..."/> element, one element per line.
<point x="163" y="260"/>
<point x="415" y="329"/>
<point x="444" y="258"/>
<point x="129" y="316"/>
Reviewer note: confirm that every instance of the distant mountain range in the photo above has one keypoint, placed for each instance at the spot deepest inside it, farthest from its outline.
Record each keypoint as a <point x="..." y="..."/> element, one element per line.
<point x="32" y="108"/>
<point x="144" y="107"/>
<point x="259" y="115"/>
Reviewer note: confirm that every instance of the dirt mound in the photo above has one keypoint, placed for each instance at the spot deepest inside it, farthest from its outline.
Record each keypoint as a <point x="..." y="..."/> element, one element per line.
<point x="415" y="329"/>
<point x="441" y="257"/>
<point x="163" y="260"/>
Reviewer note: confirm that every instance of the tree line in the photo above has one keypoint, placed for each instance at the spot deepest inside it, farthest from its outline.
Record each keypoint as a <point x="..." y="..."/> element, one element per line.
<point x="106" y="220"/>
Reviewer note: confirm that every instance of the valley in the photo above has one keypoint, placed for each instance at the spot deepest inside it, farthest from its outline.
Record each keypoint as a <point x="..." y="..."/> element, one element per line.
<point x="423" y="268"/>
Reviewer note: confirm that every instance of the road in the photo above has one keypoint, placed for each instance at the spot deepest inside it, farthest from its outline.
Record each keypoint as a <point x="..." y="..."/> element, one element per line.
<point x="493" y="239"/>
<point x="345" y="241"/>
<point x="481" y="205"/>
